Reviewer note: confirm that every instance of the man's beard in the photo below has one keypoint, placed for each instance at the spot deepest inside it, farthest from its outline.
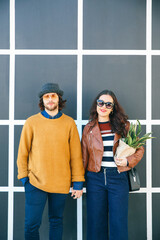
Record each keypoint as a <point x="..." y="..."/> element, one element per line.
<point x="52" y="107"/>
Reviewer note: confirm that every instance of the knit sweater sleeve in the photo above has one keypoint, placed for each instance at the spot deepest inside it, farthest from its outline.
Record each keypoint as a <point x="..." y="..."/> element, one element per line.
<point x="24" y="149"/>
<point x="77" y="169"/>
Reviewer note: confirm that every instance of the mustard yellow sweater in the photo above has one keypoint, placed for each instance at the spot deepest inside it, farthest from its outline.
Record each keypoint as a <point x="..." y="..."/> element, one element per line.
<point x="50" y="153"/>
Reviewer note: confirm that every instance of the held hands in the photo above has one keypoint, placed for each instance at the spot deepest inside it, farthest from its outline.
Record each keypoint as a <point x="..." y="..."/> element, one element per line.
<point x="76" y="193"/>
<point x="122" y="162"/>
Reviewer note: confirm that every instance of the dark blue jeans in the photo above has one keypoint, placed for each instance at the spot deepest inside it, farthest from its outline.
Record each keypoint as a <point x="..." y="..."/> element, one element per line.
<point x="107" y="205"/>
<point x="34" y="205"/>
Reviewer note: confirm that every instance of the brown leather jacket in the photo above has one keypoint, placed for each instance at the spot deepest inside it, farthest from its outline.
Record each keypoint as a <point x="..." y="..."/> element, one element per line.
<point x="92" y="149"/>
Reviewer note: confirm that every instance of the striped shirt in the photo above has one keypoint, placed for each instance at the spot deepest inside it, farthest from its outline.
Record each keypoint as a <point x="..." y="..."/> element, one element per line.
<point x="108" y="139"/>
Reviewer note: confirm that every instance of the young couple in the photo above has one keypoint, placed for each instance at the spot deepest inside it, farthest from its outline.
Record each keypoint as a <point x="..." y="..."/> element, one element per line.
<point x="49" y="159"/>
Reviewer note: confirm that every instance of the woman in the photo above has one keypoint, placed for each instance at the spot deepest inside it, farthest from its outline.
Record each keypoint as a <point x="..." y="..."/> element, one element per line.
<point x="107" y="180"/>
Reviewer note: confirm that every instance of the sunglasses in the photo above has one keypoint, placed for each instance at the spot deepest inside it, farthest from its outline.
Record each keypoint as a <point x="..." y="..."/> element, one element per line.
<point x="101" y="103"/>
<point x="48" y="96"/>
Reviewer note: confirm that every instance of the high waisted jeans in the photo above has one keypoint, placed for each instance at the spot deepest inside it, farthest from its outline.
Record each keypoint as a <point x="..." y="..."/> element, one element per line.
<point x="34" y="205"/>
<point x="107" y="198"/>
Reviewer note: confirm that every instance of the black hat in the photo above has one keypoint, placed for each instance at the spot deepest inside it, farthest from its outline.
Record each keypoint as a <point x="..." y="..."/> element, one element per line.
<point x="50" y="88"/>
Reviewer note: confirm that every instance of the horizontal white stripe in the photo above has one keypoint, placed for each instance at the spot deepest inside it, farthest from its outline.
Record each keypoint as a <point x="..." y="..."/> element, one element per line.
<point x="105" y="131"/>
<point x="76" y="51"/>
<point x="108" y="143"/>
<point x="108" y="154"/>
<point x="108" y="164"/>
<point x="108" y="135"/>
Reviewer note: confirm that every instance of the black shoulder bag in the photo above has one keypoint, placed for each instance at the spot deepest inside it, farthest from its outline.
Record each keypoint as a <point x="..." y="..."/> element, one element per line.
<point x="134" y="181"/>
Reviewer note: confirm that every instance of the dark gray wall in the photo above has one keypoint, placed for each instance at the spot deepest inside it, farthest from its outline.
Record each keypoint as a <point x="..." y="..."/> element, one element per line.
<point x="114" y="24"/>
<point x="48" y="24"/>
<point x="4" y="24"/>
<point x="107" y="25"/>
<point x="4" y="86"/>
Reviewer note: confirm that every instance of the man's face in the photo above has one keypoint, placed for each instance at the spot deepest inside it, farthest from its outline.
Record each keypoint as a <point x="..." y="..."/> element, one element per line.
<point x="50" y="101"/>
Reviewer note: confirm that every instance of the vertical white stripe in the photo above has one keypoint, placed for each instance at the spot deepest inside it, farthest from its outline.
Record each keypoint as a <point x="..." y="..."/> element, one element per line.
<point x="11" y="121"/>
<point x="149" y="116"/>
<point x="79" y="219"/>
<point x="79" y="87"/>
<point x="79" y="60"/>
<point x="79" y="102"/>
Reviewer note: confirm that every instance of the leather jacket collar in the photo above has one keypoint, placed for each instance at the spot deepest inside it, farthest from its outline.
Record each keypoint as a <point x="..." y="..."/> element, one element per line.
<point x="94" y="127"/>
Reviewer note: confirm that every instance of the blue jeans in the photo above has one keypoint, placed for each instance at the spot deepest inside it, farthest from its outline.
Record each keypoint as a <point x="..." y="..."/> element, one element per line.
<point x="107" y="198"/>
<point x="34" y="205"/>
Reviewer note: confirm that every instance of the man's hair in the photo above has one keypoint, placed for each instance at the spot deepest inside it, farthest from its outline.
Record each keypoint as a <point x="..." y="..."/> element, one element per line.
<point x="61" y="103"/>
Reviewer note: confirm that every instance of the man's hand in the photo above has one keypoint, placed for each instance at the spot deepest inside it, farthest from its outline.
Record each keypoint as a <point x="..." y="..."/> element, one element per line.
<point x="76" y="193"/>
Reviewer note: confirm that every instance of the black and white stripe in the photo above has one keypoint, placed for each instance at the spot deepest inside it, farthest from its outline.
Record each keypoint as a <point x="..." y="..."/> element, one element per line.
<point x="108" y="139"/>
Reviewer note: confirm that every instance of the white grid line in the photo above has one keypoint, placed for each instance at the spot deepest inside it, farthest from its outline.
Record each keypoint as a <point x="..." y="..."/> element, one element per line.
<point x="148" y="116"/>
<point x="142" y="190"/>
<point x="79" y="102"/>
<point x="76" y="52"/>
<point x="82" y="122"/>
<point x="11" y="121"/>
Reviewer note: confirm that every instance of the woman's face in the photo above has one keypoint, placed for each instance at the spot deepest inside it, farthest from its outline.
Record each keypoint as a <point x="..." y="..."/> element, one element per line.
<point x="103" y="111"/>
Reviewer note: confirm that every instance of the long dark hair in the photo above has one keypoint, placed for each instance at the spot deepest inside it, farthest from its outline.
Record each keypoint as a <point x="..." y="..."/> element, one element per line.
<point x="117" y="117"/>
<point x="61" y="104"/>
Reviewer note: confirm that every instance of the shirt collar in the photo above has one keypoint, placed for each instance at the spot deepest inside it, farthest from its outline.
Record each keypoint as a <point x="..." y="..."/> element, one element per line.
<point x="46" y="115"/>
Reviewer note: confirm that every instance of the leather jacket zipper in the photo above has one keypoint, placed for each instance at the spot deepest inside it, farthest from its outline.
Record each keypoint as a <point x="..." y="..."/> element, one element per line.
<point x="93" y="152"/>
<point x="105" y="180"/>
<point x="114" y="155"/>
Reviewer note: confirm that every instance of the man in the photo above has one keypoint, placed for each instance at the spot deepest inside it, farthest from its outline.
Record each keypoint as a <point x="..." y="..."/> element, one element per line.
<point x="49" y="159"/>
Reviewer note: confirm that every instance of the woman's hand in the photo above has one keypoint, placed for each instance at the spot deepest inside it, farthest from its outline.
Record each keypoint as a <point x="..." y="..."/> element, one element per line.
<point x="76" y="193"/>
<point x="122" y="162"/>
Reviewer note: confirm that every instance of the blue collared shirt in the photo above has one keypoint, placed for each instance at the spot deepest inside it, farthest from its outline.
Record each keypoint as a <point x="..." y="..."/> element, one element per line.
<point x="46" y="115"/>
<point x="76" y="185"/>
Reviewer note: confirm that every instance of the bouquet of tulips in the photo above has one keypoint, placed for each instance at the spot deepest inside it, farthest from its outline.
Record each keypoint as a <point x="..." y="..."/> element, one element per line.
<point x="127" y="146"/>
